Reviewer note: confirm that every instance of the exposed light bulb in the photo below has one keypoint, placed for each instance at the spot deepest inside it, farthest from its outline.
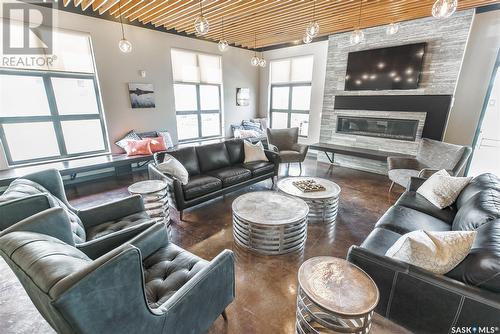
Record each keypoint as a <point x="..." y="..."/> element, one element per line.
<point x="392" y="29"/>
<point x="357" y="37"/>
<point x="262" y="62"/>
<point x="307" y="38"/>
<point x="125" y="46"/>
<point x="201" y="25"/>
<point x="312" y="29"/>
<point x="255" y="61"/>
<point x="444" y="8"/>
<point x="222" y="45"/>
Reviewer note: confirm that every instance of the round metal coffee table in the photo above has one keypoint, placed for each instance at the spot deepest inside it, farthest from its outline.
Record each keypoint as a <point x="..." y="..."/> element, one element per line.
<point x="154" y="195"/>
<point x="269" y="222"/>
<point x="323" y="205"/>
<point x="334" y="296"/>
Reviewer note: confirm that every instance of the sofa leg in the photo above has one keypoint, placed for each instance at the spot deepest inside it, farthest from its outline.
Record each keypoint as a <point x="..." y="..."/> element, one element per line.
<point x="300" y="166"/>
<point x="392" y="186"/>
<point x="224" y="315"/>
<point x="181" y="215"/>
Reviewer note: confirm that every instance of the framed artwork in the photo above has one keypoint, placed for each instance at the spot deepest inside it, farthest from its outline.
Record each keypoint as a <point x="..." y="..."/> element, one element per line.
<point x="142" y="95"/>
<point x="242" y="96"/>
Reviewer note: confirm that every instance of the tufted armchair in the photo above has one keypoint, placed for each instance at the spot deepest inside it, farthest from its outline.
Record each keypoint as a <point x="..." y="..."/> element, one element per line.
<point x="147" y="285"/>
<point x="110" y="223"/>
<point x="432" y="156"/>
<point x="285" y="142"/>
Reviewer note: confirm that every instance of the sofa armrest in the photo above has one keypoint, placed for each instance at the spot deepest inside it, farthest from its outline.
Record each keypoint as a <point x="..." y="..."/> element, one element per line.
<point x="403" y="163"/>
<point x="53" y="222"/>
<point x="16" y="210"/>
<point x="415" y="183"/>
<point x="188" y="306"/>
<point x="174" y="187"/>
<point x="111" y="211"/>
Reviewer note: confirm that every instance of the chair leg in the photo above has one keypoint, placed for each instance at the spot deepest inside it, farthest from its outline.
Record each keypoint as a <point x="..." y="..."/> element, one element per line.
<point x="181" y="215"/>
<point x="224" y="315"/>
<point x="392" y="186"/>
<point x="300" y="166"/>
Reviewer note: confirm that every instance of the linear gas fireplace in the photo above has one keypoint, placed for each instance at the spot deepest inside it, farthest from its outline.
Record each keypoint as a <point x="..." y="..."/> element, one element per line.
<point x="400" y="129"/>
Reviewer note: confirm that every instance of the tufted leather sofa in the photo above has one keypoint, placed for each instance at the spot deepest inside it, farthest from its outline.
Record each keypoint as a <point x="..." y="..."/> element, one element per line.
<point x="147" y="285"/>
<point x="469" y="295"/>
<point x="214" y="170"/>
<point x="101" y="226"/>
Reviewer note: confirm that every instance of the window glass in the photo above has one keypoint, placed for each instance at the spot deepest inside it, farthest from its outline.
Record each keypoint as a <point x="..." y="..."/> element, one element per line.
<point x="210" y="69"/>
<point x="75" y="96"/>
<point x="301" y="97"/>
<point x="28" y="141"/>
<point x="302" y="69"/>
<point x="280" y="71"/>
<point x="210" y="124"/>
<point x="74" y="53"/>
<point x="185" y="97"/>
<point x="300" y="121"/>
<point x="185" y="66"/>
<point x="209" y="97"/>
<point x="23" y="95"/>
<point x="280" y="97"/>
<point x="279" y="120"/>
<point x="83" y="136"/>
<point x="187" y="126"/>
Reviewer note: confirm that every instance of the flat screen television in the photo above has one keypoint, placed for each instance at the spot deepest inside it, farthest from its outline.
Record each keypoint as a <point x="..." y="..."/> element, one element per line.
<point x="397" y="67"/>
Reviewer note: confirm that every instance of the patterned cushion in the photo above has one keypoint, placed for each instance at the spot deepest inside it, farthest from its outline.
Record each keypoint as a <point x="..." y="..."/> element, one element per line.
<point x="249" y="125"/>
<point x="22" y="187"/>
<point x="437" y="252"/>
<point x="166" y="271"/>
<point x="131" y="135"/>
<point x="113" y="226"/>
<point x="441" y="189"/>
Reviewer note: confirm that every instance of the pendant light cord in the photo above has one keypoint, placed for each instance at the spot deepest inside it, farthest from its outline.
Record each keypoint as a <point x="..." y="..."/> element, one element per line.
<point x="222" y="27"/>
<point x="314" y="9"/>
<point x="121" y="22"/>
<point x="359" y="17"/>
<point x="201" y="8"/>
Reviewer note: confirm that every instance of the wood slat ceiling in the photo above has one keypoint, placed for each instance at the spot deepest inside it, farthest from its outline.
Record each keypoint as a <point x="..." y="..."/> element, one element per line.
<point x="270" y="22"/>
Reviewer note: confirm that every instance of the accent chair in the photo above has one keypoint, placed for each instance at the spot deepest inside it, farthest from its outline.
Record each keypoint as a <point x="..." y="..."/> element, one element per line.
<point x="285" y="142"/>
<point x="147" y="285"/>
<point x="432" y="156"/>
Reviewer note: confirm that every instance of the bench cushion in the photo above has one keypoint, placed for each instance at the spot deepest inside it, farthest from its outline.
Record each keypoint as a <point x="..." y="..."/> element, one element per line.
<point x="201" y="185"/>
<point x="167" y="270"/>
<point x="231" y="175"/>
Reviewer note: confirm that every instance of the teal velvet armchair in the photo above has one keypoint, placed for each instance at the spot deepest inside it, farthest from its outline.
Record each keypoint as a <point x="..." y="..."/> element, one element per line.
<point x="147" y="285"/>
<point x="110" y="223"/>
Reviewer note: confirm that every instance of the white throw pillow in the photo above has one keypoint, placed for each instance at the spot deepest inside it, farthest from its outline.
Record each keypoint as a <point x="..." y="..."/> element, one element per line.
<point x="438" y="252"/>
<point x="441" y="189"/>
<point x="172" y="166"/>
<point x="254" y="152"/>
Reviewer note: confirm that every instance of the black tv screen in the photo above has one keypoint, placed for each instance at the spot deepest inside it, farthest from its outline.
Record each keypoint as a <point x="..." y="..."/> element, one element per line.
<point x="397" y="67"/>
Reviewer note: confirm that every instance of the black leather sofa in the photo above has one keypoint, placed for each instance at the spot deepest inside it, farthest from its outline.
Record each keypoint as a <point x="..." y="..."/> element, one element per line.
<point x="214" y="170"/>
<point x="469" y="295"/>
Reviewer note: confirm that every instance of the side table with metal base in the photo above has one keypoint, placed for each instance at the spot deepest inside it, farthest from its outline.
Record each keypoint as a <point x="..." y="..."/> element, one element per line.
<point x="154" y="195"/>
<point x="334" y="296"/>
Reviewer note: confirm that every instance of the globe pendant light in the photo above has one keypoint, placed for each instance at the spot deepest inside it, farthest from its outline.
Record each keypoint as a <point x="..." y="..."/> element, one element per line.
<point x="124" y="45"/>
<point x="392" y="29"/>
<point x="307" y="38"/>
<point x="444" y="8"/>
<point x="201" y="23"/>
<point x="222" y="45"/>
<point x="255" y="61"/>
<point x="357" y="36"/>
<point x="262" y="62"/>
<point x="312" y="28"/>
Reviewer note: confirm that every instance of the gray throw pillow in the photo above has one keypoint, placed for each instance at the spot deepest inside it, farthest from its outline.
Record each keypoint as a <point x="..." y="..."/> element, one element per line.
<point x="172" y="166"/>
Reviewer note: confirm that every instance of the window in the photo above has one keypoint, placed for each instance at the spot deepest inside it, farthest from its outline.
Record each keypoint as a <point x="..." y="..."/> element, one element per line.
<point x="291" y="93"/>
<point x="197" y="94"/>
<point x="52" y="112"/>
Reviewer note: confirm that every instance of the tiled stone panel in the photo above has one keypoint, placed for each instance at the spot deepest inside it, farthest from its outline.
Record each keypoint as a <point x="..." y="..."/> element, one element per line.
<point x="446" y="41"/>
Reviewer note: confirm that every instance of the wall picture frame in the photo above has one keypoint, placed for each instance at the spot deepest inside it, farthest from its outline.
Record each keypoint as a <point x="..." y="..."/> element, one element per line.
<point x="142" y="95"/>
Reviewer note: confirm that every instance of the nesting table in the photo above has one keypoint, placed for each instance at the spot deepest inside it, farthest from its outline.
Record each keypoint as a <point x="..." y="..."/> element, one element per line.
<point x="269" y="222"/>
<point x="323" y="205"/>
<point x="334" y="296"/>
<point x="154" y="195"/>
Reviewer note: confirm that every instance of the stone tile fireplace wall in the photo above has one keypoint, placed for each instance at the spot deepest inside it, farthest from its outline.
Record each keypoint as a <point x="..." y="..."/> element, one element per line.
<point x="446" y="42"/>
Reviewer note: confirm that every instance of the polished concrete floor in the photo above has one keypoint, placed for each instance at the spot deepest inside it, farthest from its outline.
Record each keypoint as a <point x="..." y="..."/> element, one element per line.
<point x="266" y="286"/>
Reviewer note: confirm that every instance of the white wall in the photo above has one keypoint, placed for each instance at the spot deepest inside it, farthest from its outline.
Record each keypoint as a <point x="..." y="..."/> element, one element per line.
<point x="319" y="51"/>
<point x="479" y="59"/>
<point x="151" y="52"/>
